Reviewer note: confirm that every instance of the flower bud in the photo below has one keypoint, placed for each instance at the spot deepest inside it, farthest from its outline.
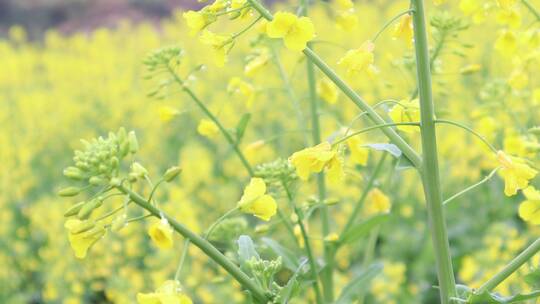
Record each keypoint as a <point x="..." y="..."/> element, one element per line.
<point x="138" y="170"/>
<point x="133" y="143"/>
<point x="74" y="209"/>
<point x="69" y="191"/>
<point x="172" y="173"/>
<point x="97" y="181"/>
<point x="88" y="208"/>
<point x="73" y="173"/>
<point x="83" y="227"/>
<point x="119" y="222"/>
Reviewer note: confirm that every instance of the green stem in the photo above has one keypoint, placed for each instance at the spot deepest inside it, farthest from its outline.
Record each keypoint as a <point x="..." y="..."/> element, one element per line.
<point x="473" y="132"/>
<point x="430" y="168"/>
<point x="510" y="268"/>
<point x="531" y="9"/>
<point x="369" y="253"/>
<point x="434" y="56"/>
<point x="355" y="98"/>
<point x="182" y="259"/>
<point x="360" y="203"/>
<point x="204" y="245"/>
<point x="386" y="125"/>
<point x="307" y="245"/>
<point x="214" y="119"/>
<point x="471" y="187"/>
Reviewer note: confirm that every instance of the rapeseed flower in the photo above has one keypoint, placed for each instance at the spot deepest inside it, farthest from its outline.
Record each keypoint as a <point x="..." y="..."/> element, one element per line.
<point x="255" y="200"/>
<point x="161" y="234"/>
<point x="296" y="32"/>
<point x="515" y="172"/>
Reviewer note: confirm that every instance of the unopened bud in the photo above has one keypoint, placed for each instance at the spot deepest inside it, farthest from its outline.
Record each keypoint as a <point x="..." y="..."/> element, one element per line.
<point x="133" y="143"/>
<point x="69" y="191"/>
<point x="172" y="173"/>
<point x="138" y="170"/>
<point x="83" y="227"/>
<point x="74" y="209"/>
<point x="88" y="208"/>
<point x="97" y="181"/>
<point x="73" y="173"/>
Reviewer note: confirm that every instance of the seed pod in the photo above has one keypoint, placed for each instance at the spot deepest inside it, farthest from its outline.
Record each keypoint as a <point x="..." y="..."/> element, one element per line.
<point x="171" y="173"/>
<point x="69" y="191"/>
<point x="88" y="208"/>
<point x="74" y="209"/>
<point x="73" y="173"/>
<point x="133" y="143"/>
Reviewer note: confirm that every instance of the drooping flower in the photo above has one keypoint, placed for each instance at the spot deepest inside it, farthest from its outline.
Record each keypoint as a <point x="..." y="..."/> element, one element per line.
<point x="359" y="60"/>
<point x="406" y="111"/>
<point x="515" y="172"/>
<point x="327" y="90"/>
<point x="315" y="159"/>
<point x="529" y="209"/>
<point x="83" y="235"/>
<point x="220" y="45"/>
<point x="404" y="29"/>
<point x="359" y="153"/>
<point x="347" y="20"/>
<point x="377" y="202"/>
<point x="255" y="200"/>
<point x="207" y="128"/>
<point x="296" y="32"/>
<point x="170" y="292"/>
<point x="238" y="87"/>
<point x="197" y="21"/>
<point x="161" y="234"/>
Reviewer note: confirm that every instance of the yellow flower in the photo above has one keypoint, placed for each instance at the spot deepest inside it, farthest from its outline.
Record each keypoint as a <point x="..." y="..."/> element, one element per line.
<point x="359" y="154"/>
<point x="170" y="292"/>
<point x="518" y="79"/>
<point x="237" y="87"/>
<point x="406" y="111"/>
<point x="161" y="234"/>
<point x="331" y="237"/>
<point x="439" y="2"/>
<point x="529" y="210"/>
<point x="506" y="4"/>
<point x="359" y="60"/>
<point x="515" y="172"/>
<point x="315" y="159"/>
<point x="404" y="29"/>
<point x="296" y="32"/>
<point x="509" y="17"/>
<point x="327" y="90"/>
<point x="377" y="202"/>
<point x="197" y="21"/>
<point x="255" y="200"/>
<point x="166" y="114"/>
<point x="257" y="61"/>
<point x="83" y="235"/>
<point x="347" y="20"/>
<point x="207" y="128"/>
<point x="344" y="4"/>
<point x="506" y="43"/>
<point x="219" y="45"/>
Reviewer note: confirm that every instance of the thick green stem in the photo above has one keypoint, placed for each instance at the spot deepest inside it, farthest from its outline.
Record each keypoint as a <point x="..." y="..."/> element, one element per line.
<point x="430" y="165"/>
<point x="407" y="150"/>
<point x="204" y="245"/>
<point x="531" y="8"/>
<point x="216" y="121"/>
<point x="512" y="267"/>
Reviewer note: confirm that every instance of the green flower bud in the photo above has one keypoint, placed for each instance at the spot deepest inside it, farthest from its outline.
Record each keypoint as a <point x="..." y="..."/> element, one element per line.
<point x="119" y="222"/>
<point x="88" y="208"/>
<point x="73" y="173"/>
<point x="74" y="209"/>
<point x="69" y="191"/>
<point x="138" y="170"/>
<point x="83" y="227"/>
<point x="172" y="173"/>
<point x="97" y="181"/>
<point x="133" y="143"/>
<point x="115" y="182"/>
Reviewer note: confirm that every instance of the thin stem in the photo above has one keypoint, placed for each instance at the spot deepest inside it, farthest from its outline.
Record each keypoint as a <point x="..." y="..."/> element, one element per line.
<point x="532" y="9"/>
<point x="434" y="56"/>
<point x="360" y="203"/>
<point x="430" y="169"/>
<point x="204" y="245"/>
<point x="387" y="24"/>
<point x="307" y="245"/>
<point x="214" y="119"/>
<point x="385" y="125"/>
<point x="247" y="28"/>
<point x="355" y="98"/>
<point x="471" y="187"/>
<point x="457" y="124"/>
<point x="154" y="188"/>
<point x="289" y="88"/>
<point x="369" y="253"/>
<point x="510" y="268"/>
<point x="218" y="221"/>
<point x="182" y="259"/>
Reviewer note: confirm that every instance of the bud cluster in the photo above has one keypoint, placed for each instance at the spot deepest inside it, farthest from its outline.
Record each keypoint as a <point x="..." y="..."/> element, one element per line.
<point x="277" y="173"/>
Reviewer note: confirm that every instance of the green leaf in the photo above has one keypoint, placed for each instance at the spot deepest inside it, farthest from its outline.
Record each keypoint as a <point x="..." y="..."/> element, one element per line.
<point x="493" y="298"/>
<point x="359" y="230"/>
<point x="390" y="148"/>
<point x="359" y="284"/>
<point x="533" y="278"/>
<point x="404" y="163"/>
<point x="292" y="285"/>
<point x="290" y="260"/>
<point x="241" y="127"/>
<point x="246" y="249"/>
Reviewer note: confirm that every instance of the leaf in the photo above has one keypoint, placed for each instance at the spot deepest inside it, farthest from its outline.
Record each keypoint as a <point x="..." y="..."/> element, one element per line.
<point x="404" y="163"/>
<point x="288" y="290"/>
<point x="359" y="230"/>
<point x="359" y="284"/>
<point x="390" y="148"/>
<point x="241" y="127"/>
<point x="290" y="260"/>
<point x="533" y="278"/>
<point x="246" y="249"/>
<point x="493" y="298"/>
